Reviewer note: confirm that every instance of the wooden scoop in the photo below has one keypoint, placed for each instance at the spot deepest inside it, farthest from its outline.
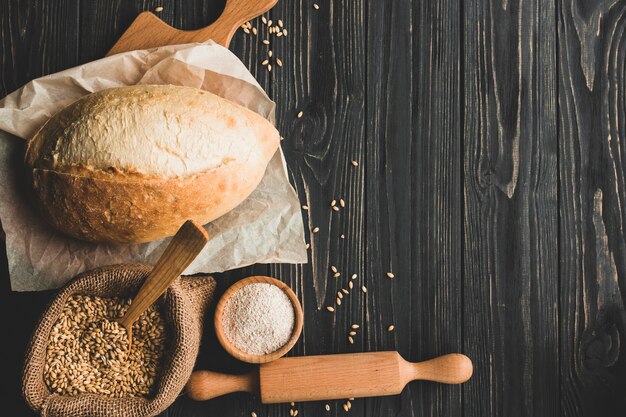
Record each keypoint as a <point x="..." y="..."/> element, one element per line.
<point x="182" y="250"/>
<point x="329" y="377"/>
<point x="148" y="31"/>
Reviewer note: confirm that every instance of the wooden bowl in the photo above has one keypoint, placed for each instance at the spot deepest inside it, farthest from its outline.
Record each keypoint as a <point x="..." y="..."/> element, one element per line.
<point x="249" y="357"/>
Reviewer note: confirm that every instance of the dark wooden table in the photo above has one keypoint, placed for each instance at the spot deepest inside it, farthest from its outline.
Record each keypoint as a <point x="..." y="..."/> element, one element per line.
<point x="490" y="137"/>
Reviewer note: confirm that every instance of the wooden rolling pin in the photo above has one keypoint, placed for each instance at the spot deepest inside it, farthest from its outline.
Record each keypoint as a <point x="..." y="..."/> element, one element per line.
<point x="329" y="377"/>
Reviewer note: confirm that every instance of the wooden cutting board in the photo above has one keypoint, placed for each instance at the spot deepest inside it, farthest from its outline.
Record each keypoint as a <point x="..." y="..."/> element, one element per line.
<point x="148" y="31"/>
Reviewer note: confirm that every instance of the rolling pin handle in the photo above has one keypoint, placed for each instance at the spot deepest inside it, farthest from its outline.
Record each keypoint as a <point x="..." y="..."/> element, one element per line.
<point x="454" y="368"/>
<point x="204" y="385"/>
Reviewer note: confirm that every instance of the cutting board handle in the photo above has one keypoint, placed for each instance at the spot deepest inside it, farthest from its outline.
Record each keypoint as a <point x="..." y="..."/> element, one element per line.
<point x="148" y="31"/>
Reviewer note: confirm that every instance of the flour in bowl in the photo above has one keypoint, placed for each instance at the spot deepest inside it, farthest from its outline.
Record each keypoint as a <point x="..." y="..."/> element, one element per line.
<point x="258" y="319"/>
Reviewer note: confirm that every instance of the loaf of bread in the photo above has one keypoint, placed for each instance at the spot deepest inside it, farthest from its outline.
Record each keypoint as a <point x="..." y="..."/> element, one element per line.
<point x="131" y="164"/>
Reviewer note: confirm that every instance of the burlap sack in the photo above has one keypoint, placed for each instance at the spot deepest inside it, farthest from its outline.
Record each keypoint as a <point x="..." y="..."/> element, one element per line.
<point x="184" y="306"/>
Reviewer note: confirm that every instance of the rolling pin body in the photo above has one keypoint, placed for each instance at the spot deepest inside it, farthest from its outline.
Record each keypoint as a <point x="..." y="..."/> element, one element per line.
<point x="327" y="377"/>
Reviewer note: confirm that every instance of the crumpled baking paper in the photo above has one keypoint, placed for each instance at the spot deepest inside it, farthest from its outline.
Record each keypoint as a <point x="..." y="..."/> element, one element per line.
<point x="266" y="227"/>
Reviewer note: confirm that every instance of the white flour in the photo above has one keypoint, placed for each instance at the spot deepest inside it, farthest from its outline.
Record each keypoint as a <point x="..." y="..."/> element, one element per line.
<point x="258" y="318"/>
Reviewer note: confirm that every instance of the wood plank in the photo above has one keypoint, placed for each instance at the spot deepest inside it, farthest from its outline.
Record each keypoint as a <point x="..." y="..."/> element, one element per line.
<point x="28" y="306"/>
<point x="37" y="38"/>
<point x="194" y="14"/>
<point x="592" y="171"/>
<point x="510" y="231"/>
<point x="323" y="75"/>
<point x="414" y="200"/>
<point x="101" y="25"/>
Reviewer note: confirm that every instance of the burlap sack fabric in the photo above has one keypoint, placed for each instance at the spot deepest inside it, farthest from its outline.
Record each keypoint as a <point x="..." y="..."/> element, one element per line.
<point x="184" y="306"/>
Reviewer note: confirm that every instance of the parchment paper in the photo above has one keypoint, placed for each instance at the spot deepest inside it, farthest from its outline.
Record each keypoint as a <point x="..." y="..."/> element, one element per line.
<point x="266" y="227"/>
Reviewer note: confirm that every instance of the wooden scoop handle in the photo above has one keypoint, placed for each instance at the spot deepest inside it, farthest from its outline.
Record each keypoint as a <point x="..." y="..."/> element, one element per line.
<point x="328" y="377"/>
<point x="181" y="251"/>
<point x="148" y="31"/>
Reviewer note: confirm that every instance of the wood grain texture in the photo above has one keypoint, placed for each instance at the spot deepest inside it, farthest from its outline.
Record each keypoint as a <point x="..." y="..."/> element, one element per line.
<point x="592" y="50"/>
<point x="491" y="182"/>
<point x="510" y="277"/>
<point x="38" y="38"/>
<point x="413" y="193"/>
<point x="324" y="76"/>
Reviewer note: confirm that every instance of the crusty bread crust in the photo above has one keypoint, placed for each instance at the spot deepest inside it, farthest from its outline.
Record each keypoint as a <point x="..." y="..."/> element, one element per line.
<point x="106" y="208"/>
<point x="110" y="203"/>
